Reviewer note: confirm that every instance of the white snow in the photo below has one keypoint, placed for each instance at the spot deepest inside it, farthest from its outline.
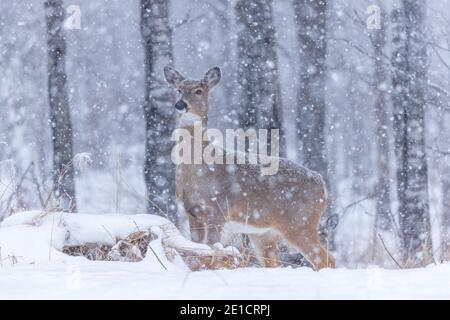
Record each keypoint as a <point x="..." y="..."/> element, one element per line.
<point x="34" y="236"/>
<point x="82" y="279"/>
<point x="33" y="267"/>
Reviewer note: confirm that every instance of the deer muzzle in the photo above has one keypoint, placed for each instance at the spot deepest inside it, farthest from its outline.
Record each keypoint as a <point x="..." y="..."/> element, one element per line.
<point x="181" y="105"/>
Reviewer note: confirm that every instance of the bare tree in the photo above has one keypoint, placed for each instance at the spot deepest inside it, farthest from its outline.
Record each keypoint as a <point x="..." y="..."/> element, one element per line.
<point x="409" y="81"/>
<point x="60" y="119"/>
<point x="311" y="22"/>
<point x="380" y="85"/>
<point x="260" y="97"/>
<point x="159" y="171"/>
<point x="445" y="227"/>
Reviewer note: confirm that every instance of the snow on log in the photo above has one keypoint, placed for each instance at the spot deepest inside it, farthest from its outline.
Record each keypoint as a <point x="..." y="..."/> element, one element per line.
<point x="119" y="237"/>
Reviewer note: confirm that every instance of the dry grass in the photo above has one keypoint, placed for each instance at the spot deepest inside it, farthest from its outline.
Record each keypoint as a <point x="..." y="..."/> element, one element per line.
<point x="91" y="251"/>
<point x="423" y="261"/>
<point x="134" y="248"/>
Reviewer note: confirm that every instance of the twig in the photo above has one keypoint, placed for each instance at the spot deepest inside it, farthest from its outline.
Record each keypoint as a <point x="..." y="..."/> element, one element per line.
<point x="390" y="255"/>
<point x="3" y="214"/>
<point x="117" y="178"/>
<point x="109" y="233"/>
<point x="435" y="45"/>
<point x="137" y="227"/>
<point x="438" y="88"/>
<point x="54" y="187"/>
<point x="14" y="259"/>
<point x="187" y="20"/>
<point x="57" y="182"/>
<point x="159" y="260"/>
<point x="182" y="21"/>
<point x="18" y="186"/>
<point x="343" y="211"/>
<point x="51" y="239"/>
<point x="49" y="196"/>
<point x="38" y="187"/>
<point x="440" y="58"/>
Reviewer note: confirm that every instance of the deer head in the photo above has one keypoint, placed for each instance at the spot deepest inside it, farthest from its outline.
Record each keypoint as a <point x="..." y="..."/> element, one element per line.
<point x="193" y="93"/>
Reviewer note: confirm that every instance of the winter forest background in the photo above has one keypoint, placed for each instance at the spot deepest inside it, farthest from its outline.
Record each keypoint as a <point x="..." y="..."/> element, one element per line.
<point x="367" y="107"/>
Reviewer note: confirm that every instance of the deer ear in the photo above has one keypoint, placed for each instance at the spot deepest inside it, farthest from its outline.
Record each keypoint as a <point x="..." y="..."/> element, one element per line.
<point x="173" y="77"/>
<point x="212" y="77"/>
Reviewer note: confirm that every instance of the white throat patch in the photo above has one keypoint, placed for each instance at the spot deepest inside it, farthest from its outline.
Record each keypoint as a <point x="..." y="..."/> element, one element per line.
<point x="189" y="119"/>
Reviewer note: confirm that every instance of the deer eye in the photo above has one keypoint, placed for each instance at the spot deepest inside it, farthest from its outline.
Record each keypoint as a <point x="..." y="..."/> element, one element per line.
<point x="198" y="92"/>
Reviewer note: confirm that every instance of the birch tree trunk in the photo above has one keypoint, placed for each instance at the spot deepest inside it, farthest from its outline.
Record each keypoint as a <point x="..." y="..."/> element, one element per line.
<point x="409" y="89"/>
<point x="61" y="123"/>
<point x="159" y="172"/>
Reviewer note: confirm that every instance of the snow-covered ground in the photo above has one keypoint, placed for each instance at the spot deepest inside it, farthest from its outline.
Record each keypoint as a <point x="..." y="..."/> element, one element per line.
<point x="33" y="267"/>
<point x="121" y="280"/>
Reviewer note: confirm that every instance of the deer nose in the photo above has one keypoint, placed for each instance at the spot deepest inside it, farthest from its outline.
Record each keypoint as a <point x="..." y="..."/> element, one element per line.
<point x="181" y="105"/>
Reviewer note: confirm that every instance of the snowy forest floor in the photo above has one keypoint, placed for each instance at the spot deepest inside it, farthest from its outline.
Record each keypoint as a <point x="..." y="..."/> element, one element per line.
<point x="33" y="266"/>
<point x="122" y="280"/>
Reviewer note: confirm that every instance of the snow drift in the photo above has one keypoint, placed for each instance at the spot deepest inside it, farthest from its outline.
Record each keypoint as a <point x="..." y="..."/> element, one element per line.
<point x="33" y="237"/>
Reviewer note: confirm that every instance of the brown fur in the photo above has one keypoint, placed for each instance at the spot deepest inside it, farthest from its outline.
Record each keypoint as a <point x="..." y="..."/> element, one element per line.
<point x="290" y="202"/>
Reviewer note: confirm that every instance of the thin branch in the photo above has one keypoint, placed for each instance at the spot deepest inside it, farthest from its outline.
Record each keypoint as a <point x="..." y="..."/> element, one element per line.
<point x="159" y="260"/>
<point x="438" y="46"/>
<point x="109" y="233"/>
<point x="51" y="239"/>
<point x="38" y="187"/>
<point x="438" y="88"/>
<point x="352" y="204"/>
<point x="188" y="20"/>
<point x="440" y="58"/>
<point x="182" y="21"/>
<point x="18" y="186"/>
<point x="390" y="255"/>
<point x="359" y="49"/>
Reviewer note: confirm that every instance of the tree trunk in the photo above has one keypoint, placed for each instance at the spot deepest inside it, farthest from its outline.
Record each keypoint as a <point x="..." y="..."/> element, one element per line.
<point x="311" y="22"/>
<point x="383" y="216"/>
<point x="159" y="171"/>
<point x="61" y="124"/>
<point x="445" y="229"/>
<point x="260" y="102"/>
<point x="444" y="177"/>
<point x="409" y="84"/>
<point x="311" y="17"/>
<point x="357" y="132"/>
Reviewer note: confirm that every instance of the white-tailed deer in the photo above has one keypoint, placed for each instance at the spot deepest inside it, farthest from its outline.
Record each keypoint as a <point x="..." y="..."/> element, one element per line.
<point x="223" y="197"/>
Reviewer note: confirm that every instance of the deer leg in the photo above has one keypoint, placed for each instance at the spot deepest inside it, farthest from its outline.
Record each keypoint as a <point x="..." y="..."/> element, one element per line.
<point x="199" y="230"/>
<point x="183" y="220"/>
<point x="214" y="234"/>
<point x="266" y="249"/>
<point x="319" y="256"/>
<point x="311" y="248"/>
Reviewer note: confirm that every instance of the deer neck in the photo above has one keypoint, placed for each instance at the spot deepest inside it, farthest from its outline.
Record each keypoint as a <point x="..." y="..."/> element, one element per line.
<point x="197" y="127"/>
<point x="190" y="121"/>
